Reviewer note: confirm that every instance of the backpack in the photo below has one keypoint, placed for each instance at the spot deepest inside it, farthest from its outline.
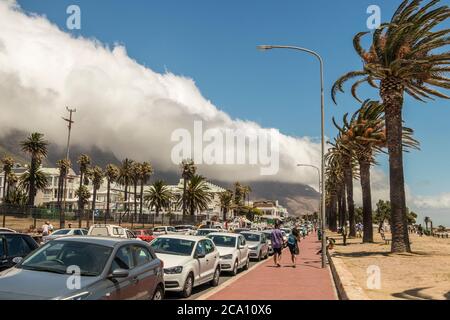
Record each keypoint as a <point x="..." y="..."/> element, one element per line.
<point x="291" y="239"/>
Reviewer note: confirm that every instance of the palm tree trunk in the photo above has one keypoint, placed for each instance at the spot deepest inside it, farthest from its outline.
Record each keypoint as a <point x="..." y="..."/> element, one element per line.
<point x="184" y="196"/>
<point x="364" y="167"/>
<point x="5" y="193"/>
<point x="32" y="190"/>
<point x="59" y="199"/>
<point x="141" y="199"/>
<point x="348" y="177"/>
<point x="94" y="200"/>
<point x="108" y="199"/>
<point x="333" y="213"/>
<point x="80" y="203"/>
<point x="392" y="94"/>
<point x="342" y="206"/>
<point x="135" y="205"/>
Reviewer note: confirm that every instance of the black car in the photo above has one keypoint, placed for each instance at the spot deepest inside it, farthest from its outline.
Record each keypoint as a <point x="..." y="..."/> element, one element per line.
<point x="14" y="245"/>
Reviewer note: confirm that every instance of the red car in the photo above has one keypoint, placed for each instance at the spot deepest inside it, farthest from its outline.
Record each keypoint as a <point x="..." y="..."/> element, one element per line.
<point x="144" y="234"/>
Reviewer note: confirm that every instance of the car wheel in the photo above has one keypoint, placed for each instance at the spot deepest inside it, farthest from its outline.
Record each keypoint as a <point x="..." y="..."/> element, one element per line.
<point x="260" y="256"/>
<point x="215" y="280"/>
<point x="188" y="285"/>
<point x="235" y="269"/>
<point x="159" y="294"/>
<point x="247" y="264"/>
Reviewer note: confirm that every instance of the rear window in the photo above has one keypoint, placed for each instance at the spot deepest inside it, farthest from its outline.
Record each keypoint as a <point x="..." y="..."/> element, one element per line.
<point x="99" y="231"/>
<point x="61" y="232"/>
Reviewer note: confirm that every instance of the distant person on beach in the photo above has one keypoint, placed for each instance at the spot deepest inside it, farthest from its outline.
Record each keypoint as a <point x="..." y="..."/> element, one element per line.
<point x="277" y="244"/>
<point x="420" y="230"/>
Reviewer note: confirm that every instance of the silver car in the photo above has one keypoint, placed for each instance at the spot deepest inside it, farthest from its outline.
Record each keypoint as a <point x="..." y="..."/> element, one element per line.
<point x="257" y="244"/>
<point x="86" y="268"/>
<point x="63" y="233"/>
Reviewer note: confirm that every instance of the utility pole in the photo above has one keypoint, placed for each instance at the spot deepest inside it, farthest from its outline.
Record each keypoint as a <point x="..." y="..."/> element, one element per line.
<point x="62" y="220"/>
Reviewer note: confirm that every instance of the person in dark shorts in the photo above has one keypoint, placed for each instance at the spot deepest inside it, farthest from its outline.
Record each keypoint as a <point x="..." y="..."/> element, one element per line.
<point x="293" y="240"/>
<point x="277" y="244"/>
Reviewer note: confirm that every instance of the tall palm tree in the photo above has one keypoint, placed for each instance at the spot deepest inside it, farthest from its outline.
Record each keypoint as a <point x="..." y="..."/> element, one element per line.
<point x="8" y="164"/>
<point x="111" y="174"/>
<point x="96" y="176"/>
<point x="83" y="195"/>
<point x="226" y="200"/>
<point x="198" y="194"/>
<point x="36" y="147"/>
<point x="246" y="190"/>
<point x="135" y="175"/>
<point x="188" y="170"/>
<point x="125" y="180"/>
<point x="158" y="196"/>
<point x="64" y="167"/>
<point x="84" y="162"/>
<point x="39" y="178"/>
<point x="145" y="173"/>
<point x="405" y="57"/>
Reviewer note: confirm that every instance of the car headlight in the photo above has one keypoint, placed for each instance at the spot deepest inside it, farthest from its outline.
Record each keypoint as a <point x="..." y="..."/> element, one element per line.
<point x="253" y="248"/>
<point x="227" y="257"/>
<point x="173" y="270"/>
<point x="78" y="296"/>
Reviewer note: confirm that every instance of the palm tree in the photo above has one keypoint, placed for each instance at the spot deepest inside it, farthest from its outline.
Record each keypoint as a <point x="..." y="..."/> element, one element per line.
<point x="246" y="193"/>
<point x="335" y="188"/>
<point x="405" y="57"/>
<point x="8" y="164"/>
<point x="111" y="175"/>
<point x="198" y="194"/>
<point x="125" y="180"/>
<point x="39" y="178"/>
<point x="226" y="200"/>
<point x="188" y="170"/>
<point x="36" y="146"/>
<point x="135" y="175"/>
<point x="158" y="196"/>
<point x="64" y="167"/>
<point x="145" y="173"/>
<point x="84" y="162"/>
<point x="83" y="195"/>
<point x="96" y="175"/>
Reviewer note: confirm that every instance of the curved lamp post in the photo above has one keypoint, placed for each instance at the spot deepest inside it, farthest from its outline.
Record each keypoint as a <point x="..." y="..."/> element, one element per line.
<point x="322" y="211"/>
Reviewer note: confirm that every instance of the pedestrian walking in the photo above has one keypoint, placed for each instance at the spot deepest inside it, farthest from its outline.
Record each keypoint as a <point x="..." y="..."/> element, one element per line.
<point x="420" y="230"/>
<point x="293" y="240"/>
<point x="277" y="244"/>
<point x="45" y="228"/>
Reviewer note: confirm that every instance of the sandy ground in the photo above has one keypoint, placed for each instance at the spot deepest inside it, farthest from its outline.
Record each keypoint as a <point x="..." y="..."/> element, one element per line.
<point x="22" y="225"/>
<point x="423" y="274"/>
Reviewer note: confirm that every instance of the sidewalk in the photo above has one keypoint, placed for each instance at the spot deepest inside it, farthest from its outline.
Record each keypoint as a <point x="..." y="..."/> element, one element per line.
<point x="265" y="282"/>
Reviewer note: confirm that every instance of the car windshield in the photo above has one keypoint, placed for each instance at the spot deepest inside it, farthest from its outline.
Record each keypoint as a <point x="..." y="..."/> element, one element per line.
<point x="204" y="232"/>
<point x="58" y="256"/>
<point x="179" y="247"/>
<point x="61" y="232"/>
<point x="223" y="241"/>
<point x="252" y="237"/>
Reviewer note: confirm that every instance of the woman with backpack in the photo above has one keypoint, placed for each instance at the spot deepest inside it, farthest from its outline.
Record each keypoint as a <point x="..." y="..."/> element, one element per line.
<point x="293" y="240"/>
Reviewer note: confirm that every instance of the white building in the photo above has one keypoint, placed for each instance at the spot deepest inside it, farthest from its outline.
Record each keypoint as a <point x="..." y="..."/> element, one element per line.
<point x="271" y="209"/>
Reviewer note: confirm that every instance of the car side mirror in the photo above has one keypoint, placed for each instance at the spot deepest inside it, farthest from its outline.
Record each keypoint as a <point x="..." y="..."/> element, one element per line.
<point x="199" y="255"/>
<point x="241" y="246"/>
<point x="17" y="260"/>
<point x="119" y="273"/>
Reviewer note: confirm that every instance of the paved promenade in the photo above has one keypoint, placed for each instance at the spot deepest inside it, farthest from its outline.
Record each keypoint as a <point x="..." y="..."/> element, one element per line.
<point x="308" y="281"/>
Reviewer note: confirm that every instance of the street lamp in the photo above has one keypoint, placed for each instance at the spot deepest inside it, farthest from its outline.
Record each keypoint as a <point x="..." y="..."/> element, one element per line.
<point x="320" y="182"/>
<point x="322" y="213"/>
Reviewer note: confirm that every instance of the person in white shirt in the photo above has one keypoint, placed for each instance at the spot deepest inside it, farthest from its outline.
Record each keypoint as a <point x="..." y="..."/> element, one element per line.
<point x="45" y="228"/>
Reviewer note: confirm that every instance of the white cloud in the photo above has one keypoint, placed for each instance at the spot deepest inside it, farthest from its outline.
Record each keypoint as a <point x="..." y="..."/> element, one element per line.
<point x="432" y="202"/>
<point x="122" y="106"/>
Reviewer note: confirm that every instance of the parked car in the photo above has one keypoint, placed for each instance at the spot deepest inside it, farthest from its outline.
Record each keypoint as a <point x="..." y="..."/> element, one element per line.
<point x="257" y="244"/>
<point x="109" y="269"/>
<point x="233" y="251"/>
<point x="144" y="234"/>
<point x="205" y="232"/>
<point x="64" y="232"/>
<point x="108" y="230"/>
<point x="269" y="241"/>
<point x="240" y="230"/>
<point x="14" y="245"/>
<point x="158" y="231"/>
<point x="189" y="261"/>
<point x="7" y="230"/>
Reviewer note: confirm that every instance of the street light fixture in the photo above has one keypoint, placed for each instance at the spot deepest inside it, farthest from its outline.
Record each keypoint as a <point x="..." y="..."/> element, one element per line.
<point x="322" y="207"/>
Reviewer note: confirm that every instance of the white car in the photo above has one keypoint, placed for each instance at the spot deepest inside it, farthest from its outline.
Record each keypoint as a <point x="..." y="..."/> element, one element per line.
<point x="189" y="261"/>
<point x="233" y="250"/>
<point x="258" y="244"/>
<point x="162" y="230"/>
<point x="108" y="230"/>
<point x="64" y="232"/>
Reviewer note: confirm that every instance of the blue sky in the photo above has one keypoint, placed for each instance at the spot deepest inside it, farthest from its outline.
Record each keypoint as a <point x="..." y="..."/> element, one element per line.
<point x="214" y="43"/>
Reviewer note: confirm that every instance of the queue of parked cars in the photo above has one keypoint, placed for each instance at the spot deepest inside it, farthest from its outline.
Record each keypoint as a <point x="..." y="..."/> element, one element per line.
<point x="117" y="263"/>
